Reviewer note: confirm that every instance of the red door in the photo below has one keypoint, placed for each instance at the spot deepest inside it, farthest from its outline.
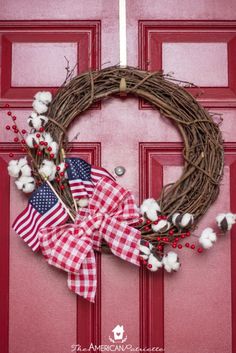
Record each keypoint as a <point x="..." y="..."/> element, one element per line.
<point x="192" y="311"/>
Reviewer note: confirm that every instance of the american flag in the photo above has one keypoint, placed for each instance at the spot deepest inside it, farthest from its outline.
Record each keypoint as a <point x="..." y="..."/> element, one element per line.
<point x="83" y="177"/>
<point x="44" y="209"/>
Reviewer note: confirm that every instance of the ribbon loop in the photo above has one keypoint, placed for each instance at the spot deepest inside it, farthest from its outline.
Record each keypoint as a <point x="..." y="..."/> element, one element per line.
<point x="71" y="247"/>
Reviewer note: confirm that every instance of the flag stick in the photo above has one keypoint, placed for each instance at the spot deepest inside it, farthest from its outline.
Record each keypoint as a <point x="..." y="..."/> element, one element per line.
<point x="64" y="156"/>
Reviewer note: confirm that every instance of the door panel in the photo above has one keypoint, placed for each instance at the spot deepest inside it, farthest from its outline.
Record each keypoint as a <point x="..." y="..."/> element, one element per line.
<point x="45" y="47"/>
<point x="192" y="294"/>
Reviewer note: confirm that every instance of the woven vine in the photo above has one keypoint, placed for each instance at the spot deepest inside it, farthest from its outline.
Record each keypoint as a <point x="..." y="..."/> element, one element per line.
<point x="198" y="186"/>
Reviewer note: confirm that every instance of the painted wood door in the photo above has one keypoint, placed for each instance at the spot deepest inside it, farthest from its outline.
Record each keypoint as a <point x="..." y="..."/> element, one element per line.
<point x="192" y="311"/>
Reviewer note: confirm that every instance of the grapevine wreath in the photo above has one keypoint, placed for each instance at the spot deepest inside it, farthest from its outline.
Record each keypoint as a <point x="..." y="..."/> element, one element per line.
<point x="163" y="222"/>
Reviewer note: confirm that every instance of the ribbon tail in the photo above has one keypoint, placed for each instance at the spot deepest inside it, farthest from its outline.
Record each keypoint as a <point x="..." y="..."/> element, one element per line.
<point x="84" y="283"/>
<point x="123" y="240"/>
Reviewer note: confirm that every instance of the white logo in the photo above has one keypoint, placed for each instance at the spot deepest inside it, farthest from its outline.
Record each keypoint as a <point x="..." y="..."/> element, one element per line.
<point x="118" y="334"/>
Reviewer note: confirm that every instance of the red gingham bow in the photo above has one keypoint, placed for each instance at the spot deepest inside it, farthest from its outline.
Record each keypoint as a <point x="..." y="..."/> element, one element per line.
<point x="71" y="247"/>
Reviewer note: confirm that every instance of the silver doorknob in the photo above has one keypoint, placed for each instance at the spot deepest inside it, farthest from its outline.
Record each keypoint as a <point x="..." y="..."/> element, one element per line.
<point x="120" y="170"/>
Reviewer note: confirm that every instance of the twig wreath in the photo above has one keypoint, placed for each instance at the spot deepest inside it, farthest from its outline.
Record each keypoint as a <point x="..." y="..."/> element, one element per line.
<point x="181" y="204"/>
<point x="203" y="152"/>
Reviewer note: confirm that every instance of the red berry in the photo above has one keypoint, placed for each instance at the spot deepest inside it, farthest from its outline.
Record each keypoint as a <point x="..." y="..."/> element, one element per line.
<point x="52" y="155"/>
<point x="174" y="245"/>
<point x="41" y="143"/>
<point x="193" y="246"/>
<point x="149" y="265"/>
<point x="36" y="145"/>
<point x="200" y="250"/>
<point x="144" y="262"/>
<point x="187" y="245"/>
<point x="23" y="131"/>
<point x="176" y="239"/>
<point x="156" y="222"/>
<point x="41" y="129"/>
<point x="159" y="247"/>
<point x="180" y="246"/>
<point x="62" y="187"/>
<point x="58" y="180"/>
<point x="188" y="234"/>
<point x="14" y="127"/>
<point x="8" y="127"/>
<point x="14" y="117"/>
<point x="182" y="235"/>
<point x="67" y="165"/>
<point x="38" y="135"/>
<point x="49" y="149"/>
<point x="171" y="232"/>
<point x="58" y="168"/>
<point x="11" y="154"/>
<point x="146" y="228"/>
<point x="45" y="144"/>
<point x="148" y="221"/>
<point x="158" y="238"/>
<point x="62" y="174"/>
<point x="9" y="113"/>
<point x="39" y="153"/>
<point x="16" y="131"/>
<point x="16" y="139"/>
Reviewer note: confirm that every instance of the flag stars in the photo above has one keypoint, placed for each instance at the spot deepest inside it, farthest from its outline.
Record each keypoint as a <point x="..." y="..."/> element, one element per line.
<point x="43" y="199"/>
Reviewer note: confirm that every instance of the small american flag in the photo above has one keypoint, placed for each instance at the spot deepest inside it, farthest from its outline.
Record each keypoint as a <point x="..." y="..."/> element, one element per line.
<point x="83" y="177"/>
<point x="43" y="210"/>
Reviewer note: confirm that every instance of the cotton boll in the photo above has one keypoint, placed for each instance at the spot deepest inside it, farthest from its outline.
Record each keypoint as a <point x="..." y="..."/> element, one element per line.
<point x="225" y="221"/>
<point x="206" y="243"/>
<point x="54" y="147"/>
<point x="185" y="220"/>
<point x="26" y="184"/>
<point x="37" y="121"/>
<point x="26" y="170"/>
<point x="22" y="162"/>
<point x="83" y="202"/>
<point x="48" y="169"/>
<point x="154" y="263"/>
<point x="39" y="106"/>
<point x="13" y="168"/>
<point x="174" y="218"/>
<point x="171" y="261"/>
<point x="207" y="238"/>
<point x="162" y="226"/>
<point x="145" y="249"/>
<point x="47" y="138"/>
<point x="44" y="119"/>
<point x="29" y="186"/>
<point x="150" y="209"/>
<point x="45" y="97"/>
<point x="31" y="117"/>
<point x="31" y="140"/>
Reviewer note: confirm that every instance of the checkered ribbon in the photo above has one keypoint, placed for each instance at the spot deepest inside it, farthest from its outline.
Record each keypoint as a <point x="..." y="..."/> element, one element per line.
<point x="71" y="247"/>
